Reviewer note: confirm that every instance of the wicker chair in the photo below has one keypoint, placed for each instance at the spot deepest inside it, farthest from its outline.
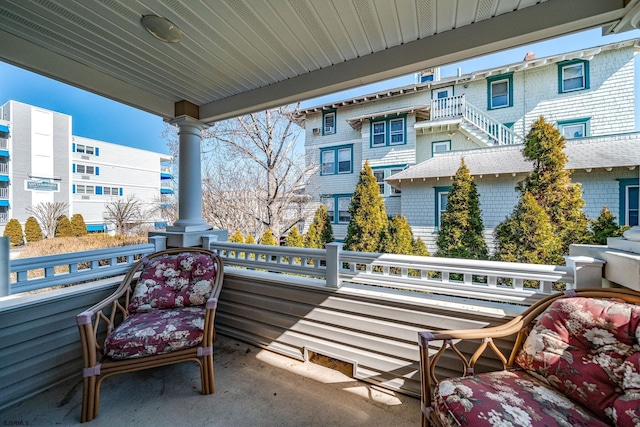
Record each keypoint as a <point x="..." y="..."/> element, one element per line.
<point x="575" y="361"/>
<point x="172" y="295"/>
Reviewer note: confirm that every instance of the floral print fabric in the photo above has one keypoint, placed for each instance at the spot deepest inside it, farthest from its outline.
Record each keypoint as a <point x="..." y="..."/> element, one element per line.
<point x="156" y="332"/>
<point x="506" y="399"/>
<point x="169" y="281"/>
<point x="588" y="350"/>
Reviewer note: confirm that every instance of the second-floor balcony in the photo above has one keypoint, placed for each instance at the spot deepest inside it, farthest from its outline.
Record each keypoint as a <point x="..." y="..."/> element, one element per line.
<point x="456" y="113"/>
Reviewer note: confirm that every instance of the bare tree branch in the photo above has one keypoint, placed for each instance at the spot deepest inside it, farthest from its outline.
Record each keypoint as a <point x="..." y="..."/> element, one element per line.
<point x="47" y="215"/>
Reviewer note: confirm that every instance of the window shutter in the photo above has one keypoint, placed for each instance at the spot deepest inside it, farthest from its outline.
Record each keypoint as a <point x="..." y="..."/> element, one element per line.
<point x="73" y="168"/>
<point x="97" y="152"/>
<point x="121" y="191"/>
<point x="73" y="190"/>
<point x="97" y="170"/>
<point x="73" y="147"/>
<point x="98" y="189"/>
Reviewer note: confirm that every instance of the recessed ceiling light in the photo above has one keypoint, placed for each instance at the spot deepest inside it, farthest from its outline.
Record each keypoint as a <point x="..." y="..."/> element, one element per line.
<point x="161" y="28"/>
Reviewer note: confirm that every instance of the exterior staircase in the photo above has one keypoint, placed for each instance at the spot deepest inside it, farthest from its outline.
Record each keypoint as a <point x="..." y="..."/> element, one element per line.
<point x="474" y="122"/>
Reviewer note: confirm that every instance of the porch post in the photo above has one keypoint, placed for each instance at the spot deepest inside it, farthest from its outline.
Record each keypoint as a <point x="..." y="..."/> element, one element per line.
<point x="190" y="181"/>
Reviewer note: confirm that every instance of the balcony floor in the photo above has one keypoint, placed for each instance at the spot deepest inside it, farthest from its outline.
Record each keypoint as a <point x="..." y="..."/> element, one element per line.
<point x="254" y="387"/>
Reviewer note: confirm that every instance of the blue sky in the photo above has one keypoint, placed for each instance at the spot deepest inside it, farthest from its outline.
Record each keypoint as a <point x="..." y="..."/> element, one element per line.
<point x="99" y="118"/>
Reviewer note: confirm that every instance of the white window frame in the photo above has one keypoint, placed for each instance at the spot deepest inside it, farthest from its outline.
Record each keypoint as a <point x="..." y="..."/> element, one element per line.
<point x="583" y="77"/>
<point x="379" y="173"/>
<point x="400" y="132"/>
<point x="435" y="144"/>
<point x="494" y="83"/>
<point x="329" y="130"/>
<point x="383" y="133"/>
<point x="341" y="211"/>
<point x="627" y="211"/>
<point x="566" y="128"/>
<point x="326" y="167"/>
<point x="349" y="151"/>
<point x="393" y="190"/>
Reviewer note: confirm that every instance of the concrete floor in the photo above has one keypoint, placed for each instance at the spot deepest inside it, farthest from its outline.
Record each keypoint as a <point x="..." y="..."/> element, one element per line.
<point x="254" y="387"/>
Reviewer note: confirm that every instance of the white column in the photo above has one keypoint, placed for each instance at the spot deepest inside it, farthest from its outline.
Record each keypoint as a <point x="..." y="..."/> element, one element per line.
<point x="189" y="177"/>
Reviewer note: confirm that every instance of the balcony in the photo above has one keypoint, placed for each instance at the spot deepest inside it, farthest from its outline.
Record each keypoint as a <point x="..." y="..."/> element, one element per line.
<point x="358" y="311"/>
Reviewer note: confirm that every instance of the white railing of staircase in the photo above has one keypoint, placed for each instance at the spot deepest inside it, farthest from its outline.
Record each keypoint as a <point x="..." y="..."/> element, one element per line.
<point x="457" y="106"/>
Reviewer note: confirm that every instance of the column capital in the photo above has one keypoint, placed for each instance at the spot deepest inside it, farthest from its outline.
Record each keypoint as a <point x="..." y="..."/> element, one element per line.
<point x="185" y="120"/>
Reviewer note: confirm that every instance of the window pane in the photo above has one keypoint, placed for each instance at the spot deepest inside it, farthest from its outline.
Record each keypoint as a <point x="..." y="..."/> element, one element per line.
<point x="500" y="93"/>
<point x="397" y="131"/>
<point x="379" y="133"/>
<point x="344" y="160"/>
<point x="395" y="190"/>
<point x="80" y="168"/>
<point x="380" y="179"/>
<point x="632" y="205"/>
<point x="574" y="131"/>
<point x="79" y="148"/>
<point x="440" y="147"/>
<point x="573" y="77"/>
<point x="329" y="123"/>
<point x="442" y="204"/>
<point x="89" y="150"/>
<point x="343" y="209"/>
<point x="329" y="204"/>
<point x="328" y="162"/>
<point x="89" y="169"/>
<point x="90" y="189"/>
<point x="80" y="189"/>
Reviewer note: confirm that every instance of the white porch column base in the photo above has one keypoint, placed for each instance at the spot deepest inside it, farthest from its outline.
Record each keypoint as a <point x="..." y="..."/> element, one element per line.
<point x="189" y="239"/>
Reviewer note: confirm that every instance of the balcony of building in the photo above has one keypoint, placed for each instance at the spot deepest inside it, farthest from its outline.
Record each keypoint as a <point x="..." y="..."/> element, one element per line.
<point x="282" y="312"/>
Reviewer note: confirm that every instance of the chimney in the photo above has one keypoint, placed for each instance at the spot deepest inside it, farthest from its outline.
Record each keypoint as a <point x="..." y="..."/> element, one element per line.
<point x="529" y="56"/>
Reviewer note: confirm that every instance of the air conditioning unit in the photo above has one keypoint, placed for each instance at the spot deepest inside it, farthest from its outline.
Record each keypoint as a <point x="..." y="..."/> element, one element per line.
<point x="316" y="131"/>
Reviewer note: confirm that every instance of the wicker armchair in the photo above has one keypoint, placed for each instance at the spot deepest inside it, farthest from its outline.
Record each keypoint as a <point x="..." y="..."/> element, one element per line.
<point x="575" y="361"/>
<point x="172" y="296"/>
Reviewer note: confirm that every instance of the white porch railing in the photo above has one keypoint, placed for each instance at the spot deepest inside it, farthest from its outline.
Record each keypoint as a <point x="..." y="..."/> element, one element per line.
<point x="4" y="143"/>
<point x="4" y="193"/>
<point x="457" y="106"/>
<point x="4" y="167"/>
<point x="4" y="217"/>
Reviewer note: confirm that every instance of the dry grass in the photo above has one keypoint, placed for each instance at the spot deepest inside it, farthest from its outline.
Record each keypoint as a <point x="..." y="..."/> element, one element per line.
<point x="90" y="242"/>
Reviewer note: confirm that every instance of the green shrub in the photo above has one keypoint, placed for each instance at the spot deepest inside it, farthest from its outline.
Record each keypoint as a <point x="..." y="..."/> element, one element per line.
<point x="267" y="238"/>
<point x="13" y="230"/>
<point x="320" y="231"/>
<point x="78" y="226"/>
<point x="63" y="228"/>
<point x="32" y="230"/>
<point x="605" y="226"/>
<point x="236" y="237"/>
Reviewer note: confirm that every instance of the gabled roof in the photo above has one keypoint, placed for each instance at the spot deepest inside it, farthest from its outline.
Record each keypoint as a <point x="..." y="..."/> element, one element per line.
<point x="587" y="54"/>
<point x="588" y="153"/>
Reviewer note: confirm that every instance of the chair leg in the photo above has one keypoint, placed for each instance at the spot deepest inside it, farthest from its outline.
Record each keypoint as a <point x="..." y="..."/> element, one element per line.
<point x="206" y="374"/>
<point x="89" y="399"/>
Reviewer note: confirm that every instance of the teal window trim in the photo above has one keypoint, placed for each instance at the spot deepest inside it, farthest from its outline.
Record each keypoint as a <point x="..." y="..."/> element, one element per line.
<point x="326" y="113"/>
<point x="386" y="169"/>
<point x="336" y="153"/>
<point x="509" y="125"/>
<point x="433" y="144"/>
<point x="561" y="67"/>
<point x="623" y="214"/>
<point x="494" y="79"/>
<point x="387" y="130"/>
<point x="586" y="121"/>
<point x="336" y="210"/>
<point x="436" y="209"/>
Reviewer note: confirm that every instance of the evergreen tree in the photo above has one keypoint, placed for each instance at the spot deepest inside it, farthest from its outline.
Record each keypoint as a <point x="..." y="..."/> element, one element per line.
<point x="13" y="230"/>
<point x="250" y="240"/>
<point x="294" y="239"/>
<point x="267" y="238"/>
<point x="32" y="230"/>
<point x="528" y="235"/>
<point x="78" y="226"/>
<point x="368" y="214"/>
<point x="460" y="232"/>
<point x="320" y="231"/>
<point x="605" y="226"/>
<point x="550" y="183"/>
<point x="63" y="229"/>
<point x="397" y="238"/>
<point x="236" y="237"/>
<point x="419" y="248"/>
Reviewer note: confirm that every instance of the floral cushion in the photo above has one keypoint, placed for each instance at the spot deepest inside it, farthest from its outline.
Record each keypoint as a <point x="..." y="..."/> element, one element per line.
<point x="156" y="332"/>
<point x="169" y="281"/>
<point x="587" y="349"/>
<point x="505" y="398"/>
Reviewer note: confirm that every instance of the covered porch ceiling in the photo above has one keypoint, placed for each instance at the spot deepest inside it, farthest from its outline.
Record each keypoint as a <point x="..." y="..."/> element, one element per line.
<point x="241" y="56"/>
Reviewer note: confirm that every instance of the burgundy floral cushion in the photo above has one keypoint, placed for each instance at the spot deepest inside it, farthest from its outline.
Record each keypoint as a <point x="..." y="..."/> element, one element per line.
<point x="587" y="349"/>
<point x="156" y="332"/>
<point x="505" y="398"/>
<point x="169" y="281"/>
